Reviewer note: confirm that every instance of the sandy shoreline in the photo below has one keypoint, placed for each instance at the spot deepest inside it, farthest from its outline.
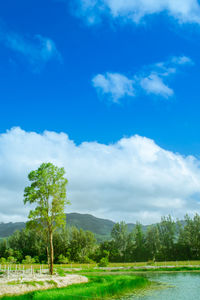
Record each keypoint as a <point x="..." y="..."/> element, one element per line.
<point x="16" y="285"/>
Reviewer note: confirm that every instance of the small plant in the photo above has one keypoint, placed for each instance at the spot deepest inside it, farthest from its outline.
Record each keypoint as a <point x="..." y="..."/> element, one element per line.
<point x="32" y="283"/>
<point x="52" y="282"/>
<point x="103" y="262"/>
<point x="13" y="282"/>
<point x="150" y="263"/>
<point x="60" y="272"/>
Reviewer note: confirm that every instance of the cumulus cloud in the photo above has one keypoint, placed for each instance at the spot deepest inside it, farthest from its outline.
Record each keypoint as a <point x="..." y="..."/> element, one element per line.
<point x="152" y="80"/>
<point x="93" y="11"/>
<point x="114" y="84"/>
<point x="133" y="179"/>
<point x="36" y="50"/>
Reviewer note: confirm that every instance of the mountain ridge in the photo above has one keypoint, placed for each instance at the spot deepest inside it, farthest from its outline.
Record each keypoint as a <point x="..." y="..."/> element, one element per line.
<point x="99" y="226"/>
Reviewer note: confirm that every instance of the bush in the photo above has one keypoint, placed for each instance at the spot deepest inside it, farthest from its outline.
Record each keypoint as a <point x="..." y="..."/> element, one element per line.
<point x="28" y="260"/>
<point x="2" y="260"/>
<point x="85" y="260"/>
<point x="36" y="259"/>
<point x="150" y="263"/>
<point x="11" y="260"/>
<point x="103" y="262"/>
<point x="62" y="259"/>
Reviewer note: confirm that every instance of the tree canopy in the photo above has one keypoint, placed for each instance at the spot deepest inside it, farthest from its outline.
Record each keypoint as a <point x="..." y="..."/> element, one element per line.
<point x="48" y="192"/>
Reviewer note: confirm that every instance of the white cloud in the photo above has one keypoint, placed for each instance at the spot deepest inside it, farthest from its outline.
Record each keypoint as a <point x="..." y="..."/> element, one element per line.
<point x="182" y="60"/>
<point x="133" y="179"/>
<point x="152" y="80"/>
<point x="115" y="84"/>
<point x="153" y="84"/>
<point x="37" y="50"/>
<point x="184" y="11"/>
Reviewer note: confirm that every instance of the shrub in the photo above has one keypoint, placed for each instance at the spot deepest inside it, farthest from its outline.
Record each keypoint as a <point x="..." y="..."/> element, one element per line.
<point x="36" y="259"/>
<point x="28" y="260"/>
<point x="62" y="259"/>
<point x="150" y="263"/>
<point x="103" y="262"/>
<point x="11" y="260"/>
<point x="2" y="260"/>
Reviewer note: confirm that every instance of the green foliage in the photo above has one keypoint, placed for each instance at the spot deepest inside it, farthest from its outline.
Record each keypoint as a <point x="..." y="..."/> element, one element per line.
<point x="11" y="260"/>
<point x="167" y="234"/>
<point x="3" y="260"/>
<point x="62" y="259"/>
<point x="166" y="241"/>
<point x="103" y="262"/>
<point x="60" y="272"/>
<point x="82" y="244"/>
<point x="153" y="243"/>
<point x="48" y="192"/>
<point x="119" y="235"/>
<point x="28" y="260"/>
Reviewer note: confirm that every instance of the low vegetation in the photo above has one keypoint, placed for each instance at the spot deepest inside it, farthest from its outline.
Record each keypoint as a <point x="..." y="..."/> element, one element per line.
<point x="98" y="287"/>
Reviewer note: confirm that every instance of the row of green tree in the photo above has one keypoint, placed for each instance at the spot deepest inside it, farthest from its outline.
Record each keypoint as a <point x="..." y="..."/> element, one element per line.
<point x="168" y="240"/>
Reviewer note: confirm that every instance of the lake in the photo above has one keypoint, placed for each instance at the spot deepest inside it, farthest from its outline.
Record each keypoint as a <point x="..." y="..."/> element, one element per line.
<point x="182" y="286"/>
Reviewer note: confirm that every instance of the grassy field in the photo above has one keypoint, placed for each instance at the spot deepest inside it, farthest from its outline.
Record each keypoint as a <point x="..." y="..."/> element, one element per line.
<point x="111" y="265"/>
<point x="98" y="287"/>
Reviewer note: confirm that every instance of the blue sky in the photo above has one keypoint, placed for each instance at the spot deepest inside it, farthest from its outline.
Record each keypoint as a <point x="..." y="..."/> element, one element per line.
<point x="57" y="93"/>
<point x="109" y="89"/>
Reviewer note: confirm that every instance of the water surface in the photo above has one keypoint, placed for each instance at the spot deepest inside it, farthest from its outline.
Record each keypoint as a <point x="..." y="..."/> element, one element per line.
<point x="180" y="286"/>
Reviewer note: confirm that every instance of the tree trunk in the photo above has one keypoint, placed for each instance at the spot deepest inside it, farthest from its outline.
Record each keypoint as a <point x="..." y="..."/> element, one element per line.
<point x="51" y="253"/>
<point x="48" y="260"/>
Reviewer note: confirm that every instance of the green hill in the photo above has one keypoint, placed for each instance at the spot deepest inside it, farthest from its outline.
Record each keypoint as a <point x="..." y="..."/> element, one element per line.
<point x="91" y="223"/>
<point x="7" y="229"/>
<point x="100" y="227"/>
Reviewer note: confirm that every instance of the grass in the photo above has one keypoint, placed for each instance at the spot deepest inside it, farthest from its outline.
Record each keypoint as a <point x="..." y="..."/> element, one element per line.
<point x="98" y="287"/>
<point x="158" y="269"/>
<point x="111" y="265"/>
<point x="60" y="272"/>
<point x="52" y="282"/>
<point x="33" y="283"/>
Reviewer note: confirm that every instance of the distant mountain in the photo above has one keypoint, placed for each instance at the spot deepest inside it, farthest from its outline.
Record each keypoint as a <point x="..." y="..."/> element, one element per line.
<point x="91" y="223"/>
<point x="100" y="227"/>
<point x="7" y="229"/>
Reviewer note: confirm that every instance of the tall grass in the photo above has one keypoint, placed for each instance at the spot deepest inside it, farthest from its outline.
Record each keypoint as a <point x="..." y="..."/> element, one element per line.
<point x="98" y="287"/>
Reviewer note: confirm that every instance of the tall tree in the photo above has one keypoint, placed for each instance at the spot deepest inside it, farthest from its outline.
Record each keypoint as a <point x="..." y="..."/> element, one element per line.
<point x="119" y="235"/>
<point x="139" y="243"/>
<point x="48" y="192"/>
<point x="152" y="242"/>
<point x="167" y="235"/>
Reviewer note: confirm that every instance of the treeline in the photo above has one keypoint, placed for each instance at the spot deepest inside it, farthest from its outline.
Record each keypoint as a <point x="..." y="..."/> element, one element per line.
<point x="168" y="240"/>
